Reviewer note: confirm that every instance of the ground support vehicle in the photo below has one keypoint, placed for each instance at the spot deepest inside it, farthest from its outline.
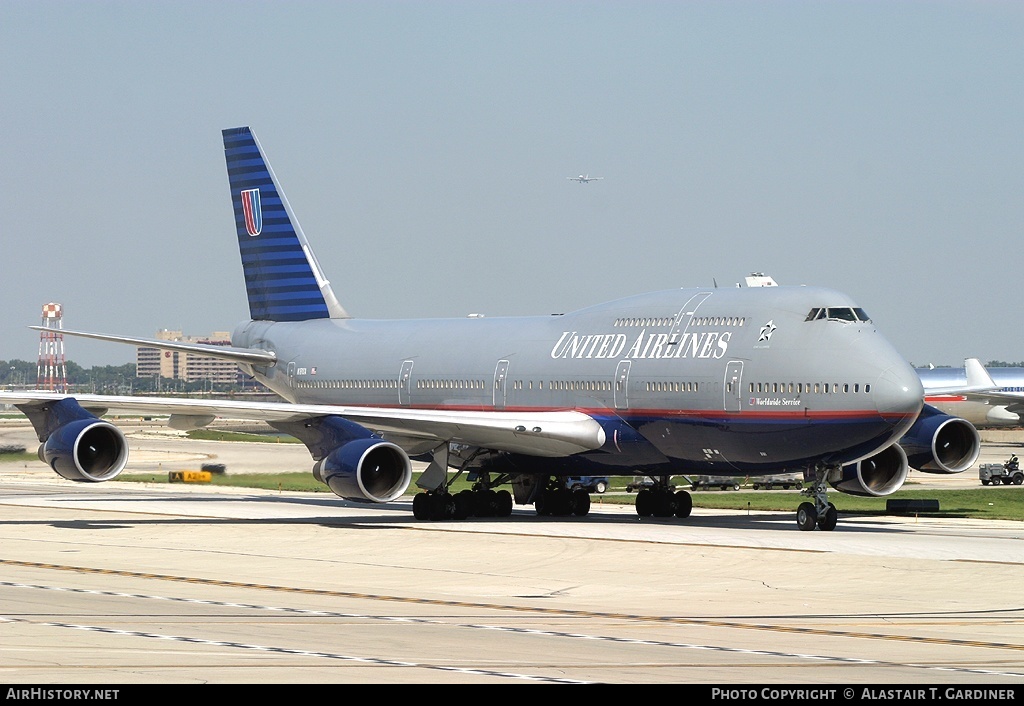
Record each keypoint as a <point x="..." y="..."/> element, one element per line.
<point x="721" y="482"/>
<point x="647" y="482"/>
<point x="996" y="473"/>
<point x="793" y="480"/>
<point x="594" y="484"/>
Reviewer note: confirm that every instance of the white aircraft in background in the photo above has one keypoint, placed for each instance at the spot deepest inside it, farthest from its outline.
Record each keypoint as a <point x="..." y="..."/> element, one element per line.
<point x="584" y="178"/>
<point x="985" y="397"/>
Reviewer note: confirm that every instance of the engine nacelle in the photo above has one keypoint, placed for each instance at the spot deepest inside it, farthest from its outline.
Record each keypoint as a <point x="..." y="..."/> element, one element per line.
<point x="366" y="470"/>
<point x="941" y="443"/>
<point x="89" y="450"/>
<point x="875" y="476"/>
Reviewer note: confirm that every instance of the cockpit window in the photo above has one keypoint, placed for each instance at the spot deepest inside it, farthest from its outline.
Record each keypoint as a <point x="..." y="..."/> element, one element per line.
<point x="841" y="313"/>
<point x="838" y="313"/>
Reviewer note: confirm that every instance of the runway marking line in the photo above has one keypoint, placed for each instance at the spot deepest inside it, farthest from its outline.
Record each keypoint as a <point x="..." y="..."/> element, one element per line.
<point x="524" y="609"/>
<point x="426" y="621"/>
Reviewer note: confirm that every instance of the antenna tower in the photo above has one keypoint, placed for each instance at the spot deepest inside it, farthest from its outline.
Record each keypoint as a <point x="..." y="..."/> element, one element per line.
<point x="51" y="373"/>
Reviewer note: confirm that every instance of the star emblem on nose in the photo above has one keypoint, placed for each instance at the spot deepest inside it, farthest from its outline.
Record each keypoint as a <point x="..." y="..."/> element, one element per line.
<point x="766" y="331"/>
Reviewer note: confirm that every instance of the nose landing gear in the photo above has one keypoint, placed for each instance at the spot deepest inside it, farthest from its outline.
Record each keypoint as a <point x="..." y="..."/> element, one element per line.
<point x="820" y="513"/>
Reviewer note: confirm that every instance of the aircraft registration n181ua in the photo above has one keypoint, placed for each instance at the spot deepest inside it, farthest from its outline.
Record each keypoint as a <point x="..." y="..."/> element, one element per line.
<point x="748" y="381"/>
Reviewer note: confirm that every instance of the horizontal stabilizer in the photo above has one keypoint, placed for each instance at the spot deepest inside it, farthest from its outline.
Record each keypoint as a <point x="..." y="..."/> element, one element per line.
<point x="250" y="356"/>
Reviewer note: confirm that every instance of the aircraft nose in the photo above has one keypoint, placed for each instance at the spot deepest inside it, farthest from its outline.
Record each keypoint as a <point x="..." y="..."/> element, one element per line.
<point x="898" y="394"/>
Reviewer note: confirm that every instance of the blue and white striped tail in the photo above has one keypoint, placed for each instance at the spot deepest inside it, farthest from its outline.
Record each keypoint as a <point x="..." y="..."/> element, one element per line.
<point x="282" y="277"/>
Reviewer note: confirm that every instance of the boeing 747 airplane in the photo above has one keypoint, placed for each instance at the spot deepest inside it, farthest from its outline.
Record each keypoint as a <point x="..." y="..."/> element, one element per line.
<point x="739" y="381"/>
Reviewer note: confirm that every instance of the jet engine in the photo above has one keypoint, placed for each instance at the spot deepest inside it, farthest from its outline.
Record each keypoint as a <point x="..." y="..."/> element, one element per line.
<point x="89" y="450"/>
<point x="352" y="461"/>
<point x="367" y="470"/>
<point x="881" y="474"/>
<point x="941" y="443"/>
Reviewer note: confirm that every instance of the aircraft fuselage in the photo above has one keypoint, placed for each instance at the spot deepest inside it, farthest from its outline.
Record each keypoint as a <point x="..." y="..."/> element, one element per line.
<point x="670" y="375"/>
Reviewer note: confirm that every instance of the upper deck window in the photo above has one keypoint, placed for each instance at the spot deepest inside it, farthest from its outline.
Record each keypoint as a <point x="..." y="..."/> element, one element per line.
<point x="838" y="313"/>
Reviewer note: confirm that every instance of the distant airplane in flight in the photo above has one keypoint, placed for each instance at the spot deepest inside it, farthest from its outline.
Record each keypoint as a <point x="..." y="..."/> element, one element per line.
<point x="584" y="178"/>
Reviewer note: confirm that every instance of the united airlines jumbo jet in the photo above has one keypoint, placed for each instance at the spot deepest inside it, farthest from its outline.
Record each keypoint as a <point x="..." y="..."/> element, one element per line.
<point x="754" y="380"/>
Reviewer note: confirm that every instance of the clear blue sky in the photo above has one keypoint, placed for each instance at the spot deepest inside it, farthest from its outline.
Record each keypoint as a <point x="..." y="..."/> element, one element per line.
<point x="875" y="147"/>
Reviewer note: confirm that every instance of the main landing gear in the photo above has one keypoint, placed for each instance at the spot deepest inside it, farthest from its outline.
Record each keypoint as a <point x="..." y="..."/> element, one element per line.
<point x="663" y="500"/>
<point x="557" y="500"/>
<point x="482" y="501"/>
<point x="820" y="513"/>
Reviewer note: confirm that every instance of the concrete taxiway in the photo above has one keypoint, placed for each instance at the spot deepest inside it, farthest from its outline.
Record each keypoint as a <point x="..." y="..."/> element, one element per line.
<point x="122" y="583"/>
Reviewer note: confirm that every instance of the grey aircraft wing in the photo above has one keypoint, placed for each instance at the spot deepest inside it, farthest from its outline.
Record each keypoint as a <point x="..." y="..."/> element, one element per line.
<point x="553" y="434"/>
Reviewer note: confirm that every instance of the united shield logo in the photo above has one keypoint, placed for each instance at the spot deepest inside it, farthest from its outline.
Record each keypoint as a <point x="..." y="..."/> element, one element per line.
<point x="253" y="212"/>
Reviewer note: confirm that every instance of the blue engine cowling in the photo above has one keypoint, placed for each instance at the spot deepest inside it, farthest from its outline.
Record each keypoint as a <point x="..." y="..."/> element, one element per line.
<point x="941" y="443"/>
<point x="367" y="470"/>
<point x="875" y="476"/>
<point x="90" y="450"/>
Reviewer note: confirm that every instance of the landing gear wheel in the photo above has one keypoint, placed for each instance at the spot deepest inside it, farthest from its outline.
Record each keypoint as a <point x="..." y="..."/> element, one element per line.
<point x="806" y="516"/>
<point x="580" y="503"/>
<point x="421" y="506"/>
<point x="464" y="501"/>
<point x="645" y="503"/>
<point x="827" y="522"/>
<point x="503" y="503"/>
<point x="684" y="503"/>
<point x="442" y="506"/>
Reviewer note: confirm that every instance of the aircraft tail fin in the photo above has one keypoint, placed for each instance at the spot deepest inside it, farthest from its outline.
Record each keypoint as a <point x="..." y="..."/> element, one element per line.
<point x="978" y="378"/>
<point x="283" y="280"/>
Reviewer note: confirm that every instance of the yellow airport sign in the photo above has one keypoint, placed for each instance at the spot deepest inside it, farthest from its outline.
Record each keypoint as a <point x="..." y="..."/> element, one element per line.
<point x="189" y="477"/>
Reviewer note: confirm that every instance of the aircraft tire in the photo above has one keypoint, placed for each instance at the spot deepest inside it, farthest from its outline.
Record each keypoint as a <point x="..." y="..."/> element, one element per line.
<point x="442" y="506"/>
<point x="420" y="506"/>
<point x="503" y="503"/>
<point x="580" y="503"/>
<point x="827" y="522"/>
<point x="684" y="504"/>
<point x="485" y="503"/>
<point x="463" y="504"/>
<point x="645" y="503"/>
<point x="806" y="517"/>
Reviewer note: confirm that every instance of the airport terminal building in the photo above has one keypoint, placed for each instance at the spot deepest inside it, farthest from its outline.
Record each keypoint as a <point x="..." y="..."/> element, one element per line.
<point x="189" y="367"/>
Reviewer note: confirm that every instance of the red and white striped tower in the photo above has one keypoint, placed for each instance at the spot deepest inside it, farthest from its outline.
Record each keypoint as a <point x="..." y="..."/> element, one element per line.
<point x="52" y="373"/>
